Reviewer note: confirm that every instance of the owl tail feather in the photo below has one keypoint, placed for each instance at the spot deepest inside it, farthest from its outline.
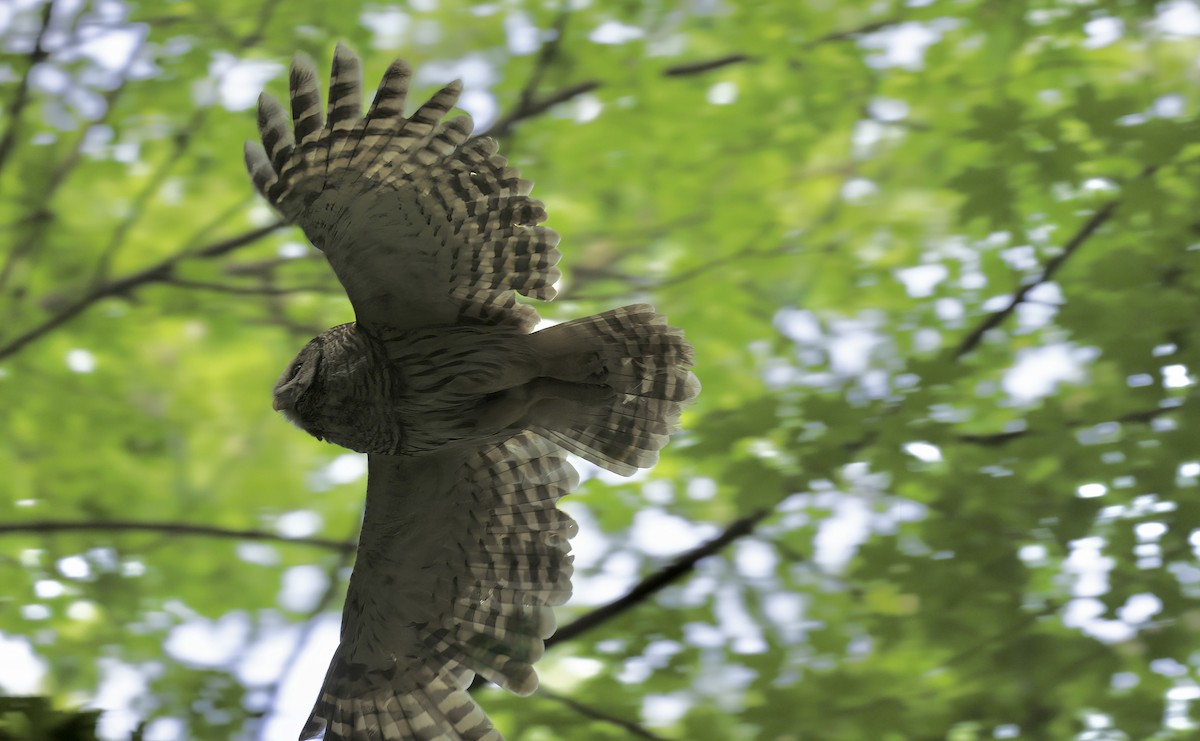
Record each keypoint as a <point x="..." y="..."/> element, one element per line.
<point x="361" y="704"/>
<point x="646" y="363"/>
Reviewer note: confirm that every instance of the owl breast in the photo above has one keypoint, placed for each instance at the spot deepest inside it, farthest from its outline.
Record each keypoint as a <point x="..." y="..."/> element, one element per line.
<point x="352" y="399"/>
<point x="410" y="393"/>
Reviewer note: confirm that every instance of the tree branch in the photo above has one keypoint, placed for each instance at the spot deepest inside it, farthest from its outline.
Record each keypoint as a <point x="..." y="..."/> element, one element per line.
<point x="173" y="528"/>
<point x="503" y="126"/>
<point x="746" y="253"/>
<point x="683" y="565"/>
<point x="1003" y="438"/>
<point x="708" y="65"/>
<point x="200" y="285"/>
<point x="528" y="105"/>
<point x="159" y="272"/>
<point x="1089" y="227"/>
<point x="21" y="97"/>
<point x="333" y="589"/>
<point x="589" y="711"/>
<point x="850" y="34"/>
<point x="656" y="582"/>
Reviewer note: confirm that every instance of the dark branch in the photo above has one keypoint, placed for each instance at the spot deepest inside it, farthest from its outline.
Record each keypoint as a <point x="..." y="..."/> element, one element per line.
<point x="180" y="144"/>
<point x="529" y="105"/>
<point x="172" y="528"/>
<point x="1002" y="438"/>
<point x="850" y="34"/>
<point x="200" y="285"/>
<point x="652" y="584"/>
<point x="1089" y="227"/>
<point x="545" y="57"/>
<point x="333" y="589"/>
<point x="504" y="125"/>
<point x="656" y="582"/>
<point x="159" y="272"/>
<point x="589" y="711"/>
<point x="708" y="65"/>
<point x="21" y="97"/>
<point x="746" y="253"/>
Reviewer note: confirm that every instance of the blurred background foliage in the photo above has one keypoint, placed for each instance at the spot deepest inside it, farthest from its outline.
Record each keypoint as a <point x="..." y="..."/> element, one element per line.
<point x="939" y="262"/>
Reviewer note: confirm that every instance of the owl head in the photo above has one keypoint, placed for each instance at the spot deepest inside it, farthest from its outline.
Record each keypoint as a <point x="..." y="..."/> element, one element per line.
<point x="299" y="381"/>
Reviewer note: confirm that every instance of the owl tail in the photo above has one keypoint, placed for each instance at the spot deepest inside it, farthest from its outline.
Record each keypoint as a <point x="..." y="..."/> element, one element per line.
<point x="646" y="362"/>
<point x="357" y="704"/>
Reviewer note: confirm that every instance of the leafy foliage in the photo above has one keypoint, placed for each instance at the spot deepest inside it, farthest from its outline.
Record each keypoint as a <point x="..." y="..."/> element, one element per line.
<point x="938" y="261"/>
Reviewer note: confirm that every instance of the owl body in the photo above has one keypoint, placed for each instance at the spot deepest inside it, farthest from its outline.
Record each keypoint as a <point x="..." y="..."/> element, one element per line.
<point x="466" y="415"/>
<point x="409" y="392"/>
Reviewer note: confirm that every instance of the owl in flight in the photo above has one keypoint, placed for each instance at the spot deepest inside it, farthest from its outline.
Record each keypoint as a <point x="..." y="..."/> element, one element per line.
<point x="466" y="414"/>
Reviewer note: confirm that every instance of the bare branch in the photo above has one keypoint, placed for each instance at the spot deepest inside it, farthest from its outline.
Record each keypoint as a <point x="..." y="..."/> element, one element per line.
<point x="529" y="105"/>
<point x="652" y="584"/>
<point x="180" y="143"/>
<point x="1003" y="438"/>
<point x="262" y="290"/>
<point x="155" y="273"/>
<point x="503" y="126"/>
<point x="972" y="340"/>
<point x="746" y="253"/>
<point x="590" y="711"/>
<point x="1089" y="227"/>
<point x="172" y="528"/>
<point x="68" y="164"/>
<point x="850" y="34"/>
<point x="333" y="589"/>
<point x="656" y="582"/>
<point x="708" y="65"/>
<point x="21" y="97"/>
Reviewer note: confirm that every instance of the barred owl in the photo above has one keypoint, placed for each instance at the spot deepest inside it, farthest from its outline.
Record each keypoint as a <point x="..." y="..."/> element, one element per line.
<point x="466" y="414"/>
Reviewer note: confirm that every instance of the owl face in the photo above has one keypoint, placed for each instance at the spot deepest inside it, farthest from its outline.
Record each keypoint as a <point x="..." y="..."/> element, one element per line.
<point x="297" y="380"/>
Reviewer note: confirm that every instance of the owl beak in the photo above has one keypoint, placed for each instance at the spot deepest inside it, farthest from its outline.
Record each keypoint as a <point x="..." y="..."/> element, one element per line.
<point x="275" y="404"/>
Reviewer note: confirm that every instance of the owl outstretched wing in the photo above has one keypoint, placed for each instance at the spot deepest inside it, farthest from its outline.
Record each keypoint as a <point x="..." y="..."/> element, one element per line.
<point x="422" y="225"/>
<point x="462" y="553"/>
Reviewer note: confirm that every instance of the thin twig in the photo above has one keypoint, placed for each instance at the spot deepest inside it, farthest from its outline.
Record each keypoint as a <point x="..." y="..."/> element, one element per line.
<point x="652" y="584"/>
<point x="503" y="126"/>
<point x="21" y="97"/>
<point x="972" y="340"/>
<point x="656" y="582"/>
<point x="74" y="156"/>
<point x="172" y="528"/>
<point x="1089" y="227"/>
<point x="746" y="253"/>
<point x="590" y="711"/>
<point x="850" y="34"/>
<point x="707" y="65"/>
<point x="180" y="143"/>
<point x="333" y="589"/>
<point x="158" y="272"/>
<point x="1003" y="438"/>
<point x="200" y="285"/>
<point x="526" y="106"/>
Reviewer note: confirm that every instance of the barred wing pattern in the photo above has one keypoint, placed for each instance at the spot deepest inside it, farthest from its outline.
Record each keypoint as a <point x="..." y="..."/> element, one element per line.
<point x="463" y="552"/>
<point x="422" y="225"/>
<point x="458" y="581"/>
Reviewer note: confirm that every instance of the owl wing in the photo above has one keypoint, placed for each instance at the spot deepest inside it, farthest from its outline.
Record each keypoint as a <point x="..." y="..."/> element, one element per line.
<point x="422" y="225"/>
<point x="462" y="553"/>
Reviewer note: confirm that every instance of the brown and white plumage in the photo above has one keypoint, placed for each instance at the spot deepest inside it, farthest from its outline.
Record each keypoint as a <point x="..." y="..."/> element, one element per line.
<point x="465" y="414"/>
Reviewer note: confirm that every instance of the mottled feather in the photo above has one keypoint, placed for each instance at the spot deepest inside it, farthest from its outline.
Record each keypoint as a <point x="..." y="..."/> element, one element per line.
<point x="422" y="225"/>
<point x="465" y="415"/>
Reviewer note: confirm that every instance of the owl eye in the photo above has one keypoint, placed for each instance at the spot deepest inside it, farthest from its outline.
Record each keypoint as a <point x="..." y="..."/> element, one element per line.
<point x="295" y="370"/>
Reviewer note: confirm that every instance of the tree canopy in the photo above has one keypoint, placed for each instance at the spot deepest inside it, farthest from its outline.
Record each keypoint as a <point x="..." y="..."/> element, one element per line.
<point x="939" y="261"/>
